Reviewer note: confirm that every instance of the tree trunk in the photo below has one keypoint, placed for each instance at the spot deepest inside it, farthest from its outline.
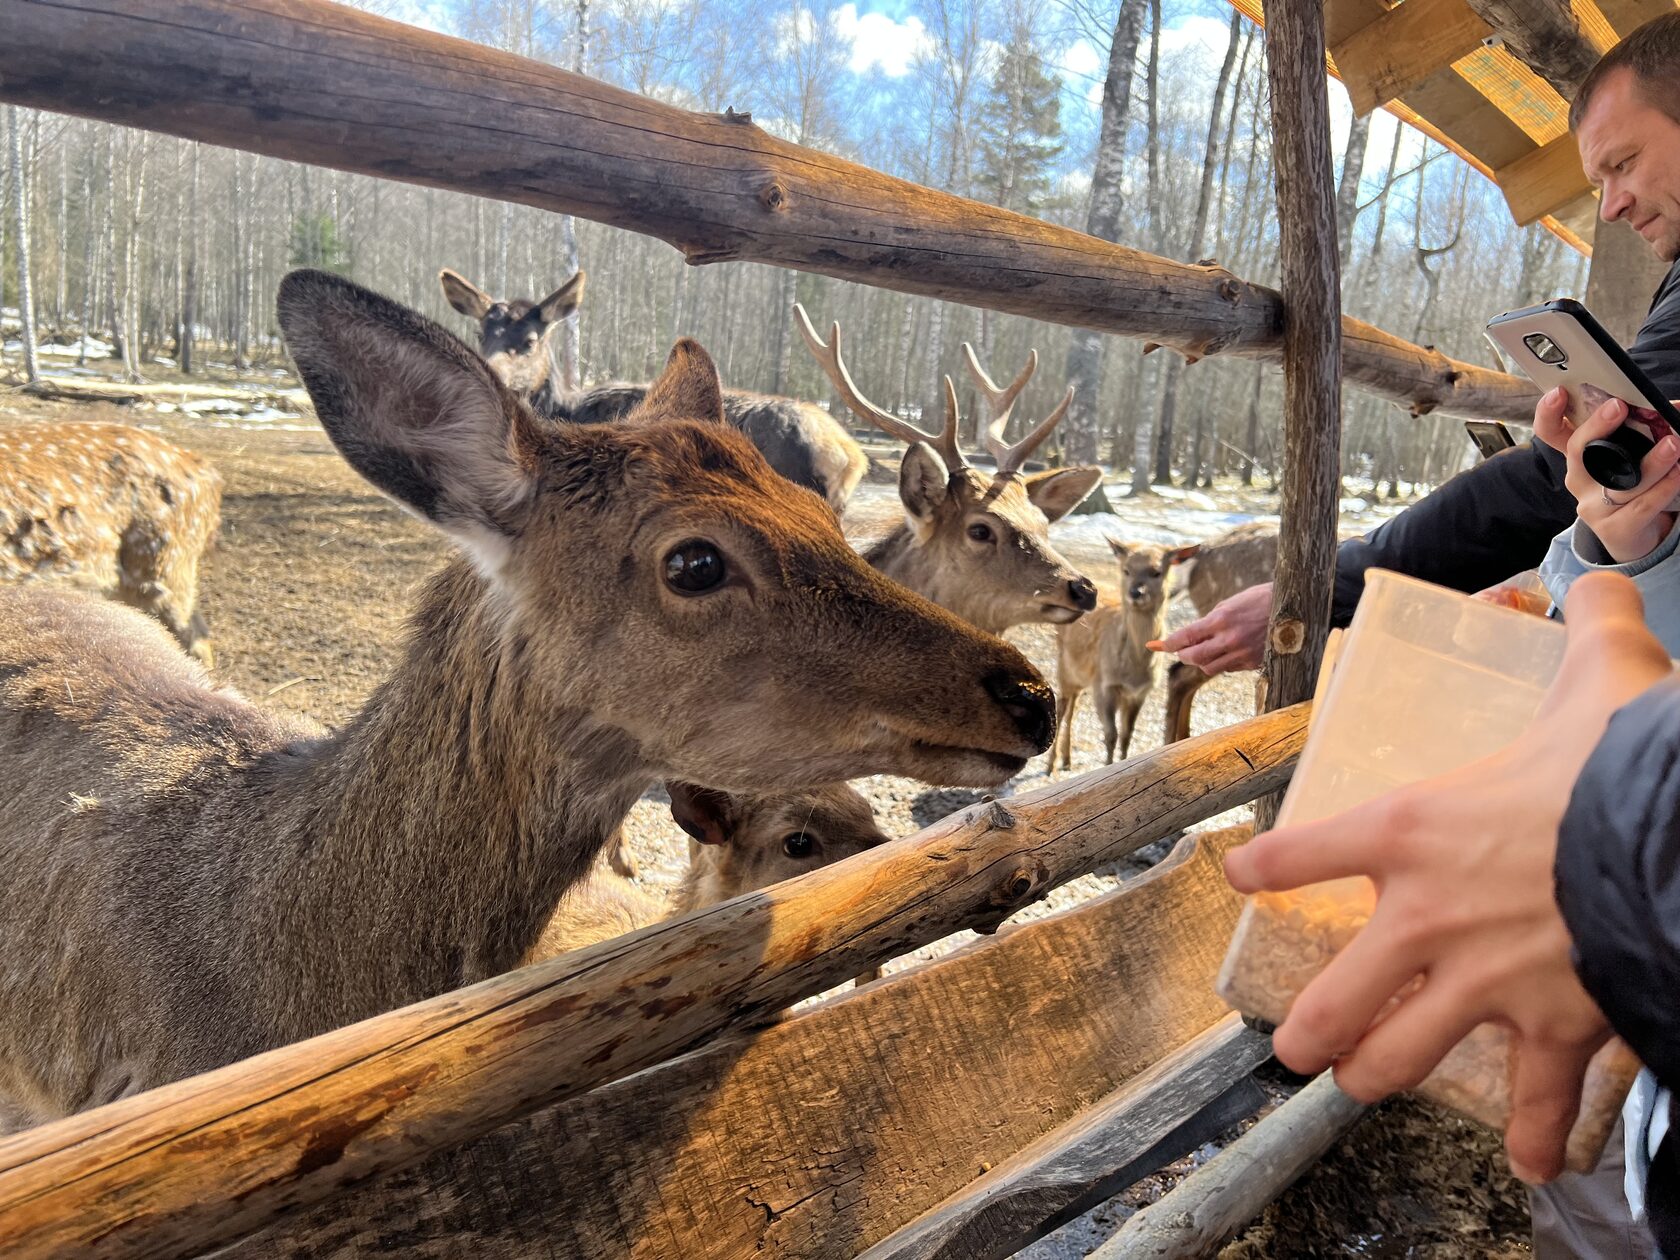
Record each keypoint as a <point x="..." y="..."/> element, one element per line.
<point x="1347" y="195"/>
<point x="20" y="224"/>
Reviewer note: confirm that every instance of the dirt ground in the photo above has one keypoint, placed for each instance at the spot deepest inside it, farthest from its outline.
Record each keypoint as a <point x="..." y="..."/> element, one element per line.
<point x="306" y="592"/>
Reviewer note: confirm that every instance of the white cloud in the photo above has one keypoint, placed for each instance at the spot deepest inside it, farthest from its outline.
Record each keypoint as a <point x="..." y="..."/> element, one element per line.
<point x="1204" y="37"/>
<point x="879" y="42"/>
<point x="1081" y="67"/>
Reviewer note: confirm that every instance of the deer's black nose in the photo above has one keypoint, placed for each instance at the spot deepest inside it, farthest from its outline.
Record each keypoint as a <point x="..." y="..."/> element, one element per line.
<point x="1083" y="592"/>
<point x="1030" y="705"/>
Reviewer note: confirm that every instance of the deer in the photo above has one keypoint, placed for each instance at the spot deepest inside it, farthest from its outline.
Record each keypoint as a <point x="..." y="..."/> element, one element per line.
<point x="1236" y="560"/>
<point x="112" y="510"/>
<point x="974" y="542"/>
<point x="802" y="441"/>
<point x="192" y="879"/>
<point x="738" y="843"/>
<point x="1107" y="651"/>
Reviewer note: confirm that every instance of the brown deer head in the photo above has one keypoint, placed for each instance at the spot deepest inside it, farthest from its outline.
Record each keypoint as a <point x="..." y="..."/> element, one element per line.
<point x="513" y="333"/>
<point x="975" y="542"/>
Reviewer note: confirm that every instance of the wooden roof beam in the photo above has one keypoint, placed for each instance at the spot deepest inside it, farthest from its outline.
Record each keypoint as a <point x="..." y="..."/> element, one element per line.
<point x="1545" y="181"/>
<point x="1404" y="47"/>
<point x="1560" y="40"/>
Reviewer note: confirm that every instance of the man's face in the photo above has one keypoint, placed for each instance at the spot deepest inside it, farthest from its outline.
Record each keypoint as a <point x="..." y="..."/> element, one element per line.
<point x="1631" y="152"/>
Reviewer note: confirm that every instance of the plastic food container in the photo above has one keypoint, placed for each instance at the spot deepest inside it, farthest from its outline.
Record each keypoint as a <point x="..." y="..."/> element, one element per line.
<point x="1426" y="680"/>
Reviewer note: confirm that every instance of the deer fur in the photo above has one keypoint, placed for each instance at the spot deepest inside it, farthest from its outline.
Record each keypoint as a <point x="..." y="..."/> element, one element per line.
<point x="801" y="441"/>
<point x="113" y="510"/>
<point x="974" y="541"/>
<point x="192" y="879"/>
<point x="1236" y="560"/>
<point x="740" y="843"/>
<point x="1107" y="652"/>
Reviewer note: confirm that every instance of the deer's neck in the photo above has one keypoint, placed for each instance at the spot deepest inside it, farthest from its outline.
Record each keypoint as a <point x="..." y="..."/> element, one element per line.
<point x="439" y="829"/>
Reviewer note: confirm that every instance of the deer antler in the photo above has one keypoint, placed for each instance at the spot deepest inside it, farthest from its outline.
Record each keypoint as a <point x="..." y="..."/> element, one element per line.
<point x="1002" y="402"/>
<point x="827" y="355"/>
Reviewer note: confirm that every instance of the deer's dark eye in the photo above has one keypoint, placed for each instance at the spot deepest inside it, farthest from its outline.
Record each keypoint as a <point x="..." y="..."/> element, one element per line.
<point x="980" y="532"/>
<point x="798" y="845"/>
<point x="694" y="568"/>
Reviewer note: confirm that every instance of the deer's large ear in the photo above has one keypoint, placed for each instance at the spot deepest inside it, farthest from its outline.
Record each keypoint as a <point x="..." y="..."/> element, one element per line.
<point x="1179" y="555"/>
<point x="464" y="295"/>
<point x="705" y="813"/>
<point x="1060" y="490"/>
<point x="413" y="410"/>
<point x="688" y="388"/>
<point x="563" y="301"/>
<point x="923" y="481"/>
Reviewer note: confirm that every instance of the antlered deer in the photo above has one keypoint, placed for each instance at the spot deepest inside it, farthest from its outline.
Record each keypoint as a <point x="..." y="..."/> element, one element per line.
<point x="1107" y="650"/>
<point x="1236" y="560"/>
<point x="740" y="843"/>
<point x="801" y="441"/>
<point x="973" y="542"/>
<point x="192" y="879"/>
<point x="110" y="509"/>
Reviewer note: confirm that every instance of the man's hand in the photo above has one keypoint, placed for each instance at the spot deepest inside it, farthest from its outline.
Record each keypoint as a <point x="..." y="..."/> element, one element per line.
<point x="1630" y="523"/>
<point x="1463" y="870"/>
<point x="1232" y="636"/>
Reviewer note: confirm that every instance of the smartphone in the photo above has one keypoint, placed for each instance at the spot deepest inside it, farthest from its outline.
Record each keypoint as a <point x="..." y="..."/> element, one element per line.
<point x="1490" y="437"/>
<point x="1560" y="343"/>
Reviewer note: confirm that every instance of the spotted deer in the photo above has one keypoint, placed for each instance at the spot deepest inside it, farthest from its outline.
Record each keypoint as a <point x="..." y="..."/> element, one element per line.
<point x="1107" y="652"/>
<point x="975" y="542"/>
<point x="1236" y="560"/>
<point x="739" y="843"/>
<point x="801" y="441"/>
<point x="192" y="879"/>
<point x="113" y="510"/>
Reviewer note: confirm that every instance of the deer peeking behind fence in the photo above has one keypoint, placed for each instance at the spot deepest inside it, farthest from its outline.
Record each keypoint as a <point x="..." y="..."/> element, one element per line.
<point x="112" y="510"/>
<point x="977" y="543"/>
<point x="800" y="440"/>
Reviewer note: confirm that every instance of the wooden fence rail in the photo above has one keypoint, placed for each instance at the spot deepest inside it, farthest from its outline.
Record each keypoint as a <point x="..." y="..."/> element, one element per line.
<point x="207" y="1160"/>
<point x="316" y="82"/>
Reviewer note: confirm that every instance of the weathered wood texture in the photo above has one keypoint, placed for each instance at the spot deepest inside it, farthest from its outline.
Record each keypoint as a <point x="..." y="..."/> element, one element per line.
<point x="1312" y="379"/>
<point x="1210" y="1205"/>
<point x="210" y="1159"/>
<point x="1404" y="47"/>
<point x="824" y="1132"/>
<point x="1560" y="40"/>
<point x="1623" y="277"/>
<point x="1159" y="1116"/>
<point x="315" y="82"/>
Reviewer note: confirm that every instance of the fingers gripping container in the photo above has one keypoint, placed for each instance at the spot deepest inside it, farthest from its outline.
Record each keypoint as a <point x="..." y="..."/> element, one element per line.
<point x="1425" y="681"/>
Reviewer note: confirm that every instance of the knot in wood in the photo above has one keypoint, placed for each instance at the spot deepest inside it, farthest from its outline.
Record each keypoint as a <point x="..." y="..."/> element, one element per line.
<point x="1016" y="889"/>
<point x="733" y="115"/>
<point x="998" y="817"/>
<point x="774" y="196"/>
<point x="1230" y="289"/>
<point x="1289" y="636"/>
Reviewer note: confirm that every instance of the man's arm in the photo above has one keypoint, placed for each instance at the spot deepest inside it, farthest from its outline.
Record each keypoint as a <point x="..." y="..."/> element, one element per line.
<point x="1492" y="520"/>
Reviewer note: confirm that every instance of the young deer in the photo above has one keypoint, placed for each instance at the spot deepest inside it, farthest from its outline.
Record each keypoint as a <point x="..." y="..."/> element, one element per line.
<point x="740" y="843"/>
<point x="977" y="543"/>
<point x="1107" y="651"/>
<point x="1238" y="559"/>
<point x="113" y="510"/>
<point x="802" y="442"/>
<point x="192" y="879"/>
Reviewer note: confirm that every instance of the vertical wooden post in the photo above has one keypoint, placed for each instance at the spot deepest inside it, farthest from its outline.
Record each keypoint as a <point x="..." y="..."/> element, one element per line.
<point x="1312" y="355"/>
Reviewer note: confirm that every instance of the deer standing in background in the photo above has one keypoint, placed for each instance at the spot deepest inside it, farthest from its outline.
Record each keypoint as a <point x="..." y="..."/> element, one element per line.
<point x="739" y="843"/>
<point x="1107" y="651"/>
<point x="113" y="510"/>
<point x="977" y="543"/>
<point x="192" y="879"/>
<point x="1236" y="560"/>
<point x="802" y="441"/>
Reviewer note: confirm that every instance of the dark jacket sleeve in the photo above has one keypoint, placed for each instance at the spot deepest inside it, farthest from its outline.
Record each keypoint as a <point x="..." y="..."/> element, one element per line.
<point x="1492" y="520"/>
<point x="1618" y="877"/>
<point x="1498" y="517"/>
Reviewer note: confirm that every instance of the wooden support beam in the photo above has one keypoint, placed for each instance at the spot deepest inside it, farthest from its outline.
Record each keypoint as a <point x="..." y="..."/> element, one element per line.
<point x="1545" y="181"/>
<point x="823" y="1133"/>
<point x="1560" y="40"/>
<point x="1405" y="46"/>
<point x="316" y="82"/>
<point x="1312" y="356"/>
<point x="1213" y="1203"/>
<point x="201" y="1162"/>
<point x="1185" y="1100"/>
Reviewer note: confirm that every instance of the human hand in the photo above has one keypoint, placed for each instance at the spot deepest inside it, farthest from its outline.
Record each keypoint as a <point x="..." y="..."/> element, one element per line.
<point x="1232" y="636"/>
<point x="1521" y="598"/>
<point x="1462" y="866"/>
<point x="1630" y="523"/>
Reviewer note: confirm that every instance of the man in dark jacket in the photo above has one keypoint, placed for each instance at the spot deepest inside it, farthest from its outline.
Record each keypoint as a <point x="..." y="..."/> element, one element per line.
<point x="1539" y="889"/>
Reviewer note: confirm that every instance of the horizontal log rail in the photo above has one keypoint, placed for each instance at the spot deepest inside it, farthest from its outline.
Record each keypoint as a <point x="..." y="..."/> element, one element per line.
<point x="201" y="1162"/>
<point x="316" y="82"/>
